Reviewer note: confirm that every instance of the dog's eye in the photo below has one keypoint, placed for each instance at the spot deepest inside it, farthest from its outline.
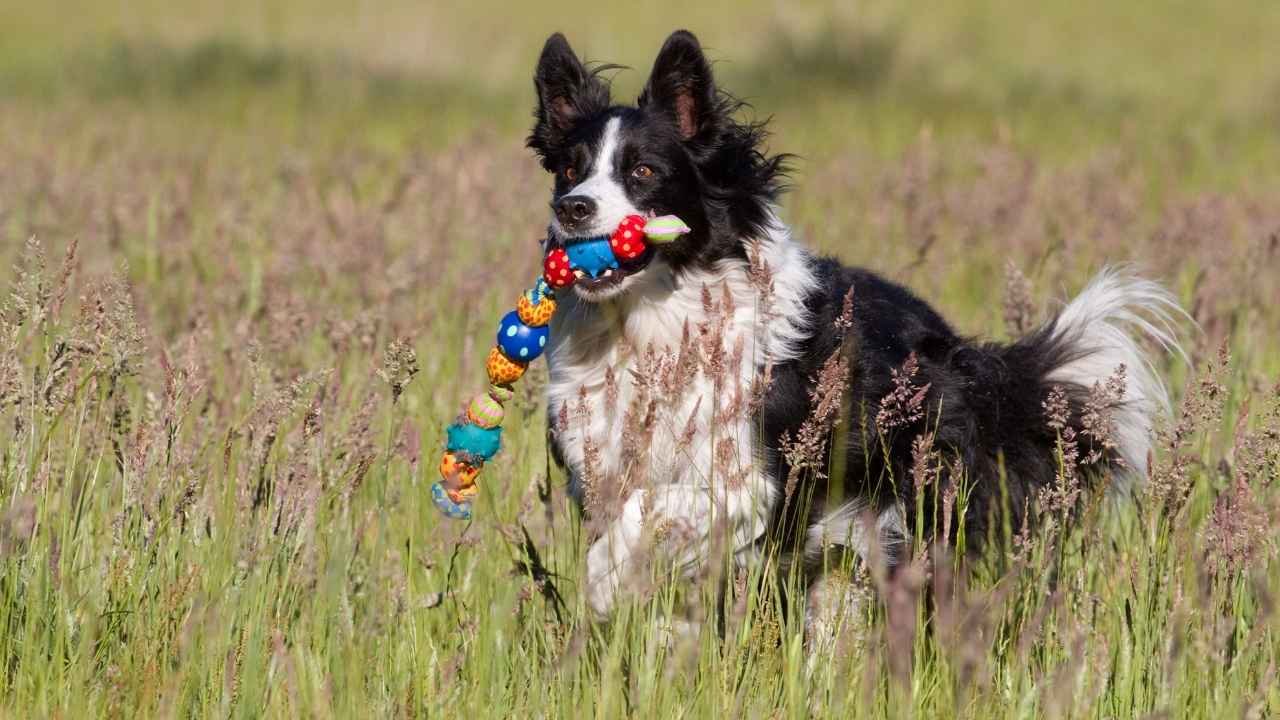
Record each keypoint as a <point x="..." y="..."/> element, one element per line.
<point x="570" y="174"/>
<point x="642" y="171"/>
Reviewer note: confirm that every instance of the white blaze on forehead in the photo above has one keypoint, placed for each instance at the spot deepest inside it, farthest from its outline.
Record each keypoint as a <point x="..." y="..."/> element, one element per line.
<point x="608" y="147"/>
<point x="612" y="203"/>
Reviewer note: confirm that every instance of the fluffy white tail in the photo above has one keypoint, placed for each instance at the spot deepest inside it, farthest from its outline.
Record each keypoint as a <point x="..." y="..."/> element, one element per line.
<point x="1104" y="326"/>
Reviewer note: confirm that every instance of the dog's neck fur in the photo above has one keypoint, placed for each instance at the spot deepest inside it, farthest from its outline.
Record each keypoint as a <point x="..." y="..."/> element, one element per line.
<point x="593" y="340"/>
<point x="624" y="356"/>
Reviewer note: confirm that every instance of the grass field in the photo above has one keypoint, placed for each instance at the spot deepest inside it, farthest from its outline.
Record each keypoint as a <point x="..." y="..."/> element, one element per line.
<point x="229" y="223"/>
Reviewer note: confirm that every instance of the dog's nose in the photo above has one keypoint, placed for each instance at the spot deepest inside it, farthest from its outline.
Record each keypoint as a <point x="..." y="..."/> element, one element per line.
<point x="572" y="210"/>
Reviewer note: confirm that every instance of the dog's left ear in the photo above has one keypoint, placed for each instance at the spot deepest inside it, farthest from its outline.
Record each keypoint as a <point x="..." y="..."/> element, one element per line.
<point x="681" y="86"/>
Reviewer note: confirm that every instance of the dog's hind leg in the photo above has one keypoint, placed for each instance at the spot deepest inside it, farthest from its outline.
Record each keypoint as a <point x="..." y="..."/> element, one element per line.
<point x="842" y="548"/>
<point x="835" y="614"/>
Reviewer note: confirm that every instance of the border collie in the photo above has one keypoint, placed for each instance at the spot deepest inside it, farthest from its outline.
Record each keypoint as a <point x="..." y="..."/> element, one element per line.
<point x="691" y="390"/>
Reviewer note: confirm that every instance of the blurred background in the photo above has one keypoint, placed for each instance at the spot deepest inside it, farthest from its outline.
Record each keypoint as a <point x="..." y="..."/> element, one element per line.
<point x="900" y="113"/>
<point x="1070" y="73"/>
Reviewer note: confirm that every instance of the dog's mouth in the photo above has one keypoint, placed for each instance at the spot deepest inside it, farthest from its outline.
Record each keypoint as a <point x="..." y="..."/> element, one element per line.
<point x="600" y="267"/>
<point x="596" y="276"/>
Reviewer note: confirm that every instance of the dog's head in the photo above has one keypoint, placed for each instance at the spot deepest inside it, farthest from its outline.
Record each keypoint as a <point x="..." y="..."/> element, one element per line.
<point x="678" y="151"/>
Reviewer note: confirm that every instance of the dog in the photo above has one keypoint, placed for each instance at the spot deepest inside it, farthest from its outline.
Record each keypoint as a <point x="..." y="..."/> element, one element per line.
<point x="700" y="395"/>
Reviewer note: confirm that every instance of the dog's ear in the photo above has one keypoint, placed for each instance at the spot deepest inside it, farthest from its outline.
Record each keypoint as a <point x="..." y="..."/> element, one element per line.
<point x="567" y="91"/>
<point x="681" y="86"/>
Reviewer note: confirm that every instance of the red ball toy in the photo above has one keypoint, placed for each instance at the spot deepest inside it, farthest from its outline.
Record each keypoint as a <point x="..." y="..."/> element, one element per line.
<point x="627" y="242"/>
<point x="556" y="269"/>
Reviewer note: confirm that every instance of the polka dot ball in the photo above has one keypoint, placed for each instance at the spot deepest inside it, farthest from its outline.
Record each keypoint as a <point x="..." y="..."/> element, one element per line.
<point x="535" y="315"/>
<point x="502" y="369"/>
<point x="519" y="341"/>
<point x="627" y="242"/>
<point x="556" y="270"/>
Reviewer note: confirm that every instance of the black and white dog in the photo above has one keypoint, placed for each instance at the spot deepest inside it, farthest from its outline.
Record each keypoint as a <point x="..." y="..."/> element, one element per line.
<point x="679" y="380"/>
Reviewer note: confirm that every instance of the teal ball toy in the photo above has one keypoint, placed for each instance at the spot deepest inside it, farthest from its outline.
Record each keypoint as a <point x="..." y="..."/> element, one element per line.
<point x="519" y="341"/>
<point x="474" y="440"/>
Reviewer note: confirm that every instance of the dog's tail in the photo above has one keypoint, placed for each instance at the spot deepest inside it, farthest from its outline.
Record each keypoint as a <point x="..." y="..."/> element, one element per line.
<point x="1075" y="400"/>
<point x="1107" y="333"/>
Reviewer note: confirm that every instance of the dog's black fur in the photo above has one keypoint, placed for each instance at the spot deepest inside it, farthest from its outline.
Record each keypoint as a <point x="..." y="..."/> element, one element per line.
<point x="984" y="405"/>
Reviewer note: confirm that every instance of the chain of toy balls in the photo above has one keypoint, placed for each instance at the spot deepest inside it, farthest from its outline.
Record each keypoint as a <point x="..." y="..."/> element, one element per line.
<point x="522" y="336"/>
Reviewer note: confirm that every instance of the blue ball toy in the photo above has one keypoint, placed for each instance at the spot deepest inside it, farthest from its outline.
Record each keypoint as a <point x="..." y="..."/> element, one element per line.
<point x="457" y="511"/>
<point x="591" y="256"/>
<point x="519" y="341"/>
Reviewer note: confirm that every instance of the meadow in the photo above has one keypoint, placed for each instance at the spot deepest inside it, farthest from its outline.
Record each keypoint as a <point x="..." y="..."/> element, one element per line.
<point x="255" y="254"/>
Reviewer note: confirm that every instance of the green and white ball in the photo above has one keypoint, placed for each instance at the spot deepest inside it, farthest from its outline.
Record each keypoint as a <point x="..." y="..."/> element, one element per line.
<point x="665" y="229"/>
<point x="485" y="411"/>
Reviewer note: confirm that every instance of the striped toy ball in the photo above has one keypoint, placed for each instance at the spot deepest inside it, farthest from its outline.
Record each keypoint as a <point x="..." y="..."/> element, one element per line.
<point x="665" y="229"/>
<point x="485" y="411"/>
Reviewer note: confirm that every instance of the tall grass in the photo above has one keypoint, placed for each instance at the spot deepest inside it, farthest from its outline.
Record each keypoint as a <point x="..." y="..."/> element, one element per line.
<point x="252" y="281"/>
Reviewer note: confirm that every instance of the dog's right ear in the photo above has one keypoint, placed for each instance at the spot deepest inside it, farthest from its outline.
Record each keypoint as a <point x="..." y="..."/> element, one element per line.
<point x="567" y="91"/>
<point x="681" y="87"/>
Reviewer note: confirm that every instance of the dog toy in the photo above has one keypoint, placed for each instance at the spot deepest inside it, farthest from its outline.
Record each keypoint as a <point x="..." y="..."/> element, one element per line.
<point x="476" y="436"/>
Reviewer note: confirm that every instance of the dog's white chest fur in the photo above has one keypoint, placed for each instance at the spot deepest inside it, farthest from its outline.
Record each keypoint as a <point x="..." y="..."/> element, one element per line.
<point x="651" y="398"/>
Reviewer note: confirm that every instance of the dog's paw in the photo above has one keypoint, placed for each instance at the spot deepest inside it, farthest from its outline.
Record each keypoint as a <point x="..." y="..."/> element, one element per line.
<point x="602" y="580"/>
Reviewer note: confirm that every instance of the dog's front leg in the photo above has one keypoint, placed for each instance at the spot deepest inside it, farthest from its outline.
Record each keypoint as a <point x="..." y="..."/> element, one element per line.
<point x="610" y="556"/>
<point x="681" y="521"/>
